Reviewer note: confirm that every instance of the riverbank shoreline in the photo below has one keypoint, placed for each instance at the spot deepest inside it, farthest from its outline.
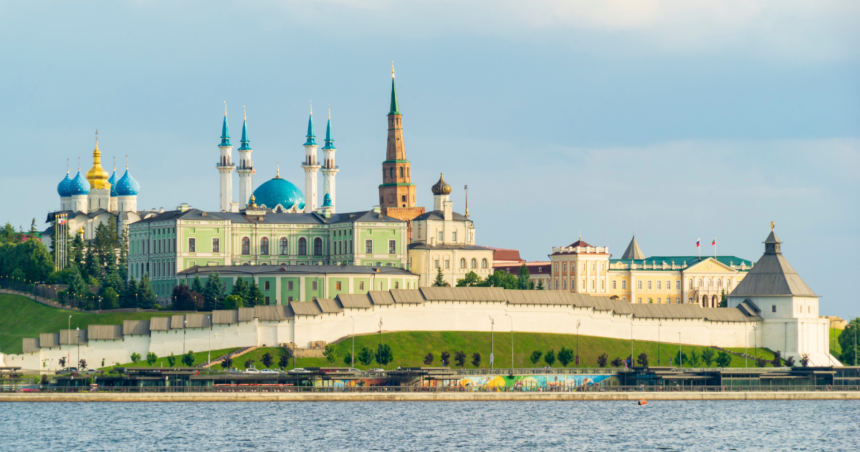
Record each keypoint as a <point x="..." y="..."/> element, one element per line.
<point x="425" y="396"/>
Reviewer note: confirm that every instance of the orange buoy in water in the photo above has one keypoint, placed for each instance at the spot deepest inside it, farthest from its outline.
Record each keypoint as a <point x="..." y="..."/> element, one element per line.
<point x="643" y="402"/>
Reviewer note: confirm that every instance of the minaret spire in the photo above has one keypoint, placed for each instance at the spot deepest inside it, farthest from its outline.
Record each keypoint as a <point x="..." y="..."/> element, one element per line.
<point x="329" y="168"/>
<point x="394" y="109"/>
<point x="311" y="136"/>
<point x="225" y="131"/>
<point x="310" y="165"/>
<point x="225" y="168"/>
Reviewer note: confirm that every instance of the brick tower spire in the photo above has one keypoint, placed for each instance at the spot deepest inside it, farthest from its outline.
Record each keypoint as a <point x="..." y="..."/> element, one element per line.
<point x="397" y="192"/>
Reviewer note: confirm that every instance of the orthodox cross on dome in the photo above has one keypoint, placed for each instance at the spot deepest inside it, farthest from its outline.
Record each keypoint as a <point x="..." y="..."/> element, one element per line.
<point x="79" y="163"/>
<point x="126" y="161"/>
<point x="225" y="108"/>
<point x="97" y="137"/>
<point x="771" y="225"/>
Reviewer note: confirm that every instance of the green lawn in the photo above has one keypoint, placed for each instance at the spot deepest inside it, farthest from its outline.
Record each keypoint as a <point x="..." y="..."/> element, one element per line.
<point x="22" y="317"/>
<point x="835" y="349"/>
<point x="199" y="358"/>
<point x="409" y="349"/>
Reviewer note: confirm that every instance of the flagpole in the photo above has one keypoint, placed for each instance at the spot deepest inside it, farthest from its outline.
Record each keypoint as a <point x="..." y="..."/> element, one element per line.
<point x="699" y="247"/>
<point x="715" y="247"/>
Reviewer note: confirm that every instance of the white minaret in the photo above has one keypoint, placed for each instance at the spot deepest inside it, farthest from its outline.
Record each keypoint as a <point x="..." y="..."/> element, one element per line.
<point x="329" y="168"/>
<point x="246" y="166"/>
<point x="225" y="167"/>
<point x="311" y="167"/>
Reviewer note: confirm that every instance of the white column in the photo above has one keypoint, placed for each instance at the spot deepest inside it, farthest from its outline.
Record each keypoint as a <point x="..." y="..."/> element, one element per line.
<point x="225" y="170"/>
<point x="311" y="167"/>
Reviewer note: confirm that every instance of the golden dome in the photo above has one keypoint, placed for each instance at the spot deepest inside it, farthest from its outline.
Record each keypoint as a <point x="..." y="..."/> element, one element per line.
<point x="441" y="187"/>
<point x="97" y="176"/>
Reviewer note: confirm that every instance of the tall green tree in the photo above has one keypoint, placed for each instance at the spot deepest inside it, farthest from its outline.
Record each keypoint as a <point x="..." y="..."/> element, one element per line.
<point x="240" y="289"/>
<point x="122" y="264"/>
<point x="540" y="285"/>
<point x="197" y="285"/>
<point x="549" y="358"/>
<point x="471" y="279"/>
<point x="109" y="299"/>
<point x="255" y="295"/>
<point x="440" y="279"/>
<point x="847" y="339"/>
<point x="78" y="288"/>
<point x="131" y="294"/>
<point x="523" y="281"/>
<point x="77" y="251"/>
<point x="147" y="295"/>
<point x="502" y="279"/>
<point x="8" y="234"/>
<point x="384" y="355"/>
<point x="213" y="292"/>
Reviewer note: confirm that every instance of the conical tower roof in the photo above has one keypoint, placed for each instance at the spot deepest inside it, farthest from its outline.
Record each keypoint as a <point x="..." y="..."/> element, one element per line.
<point x="394" y="108"/>
<point x="772" y="275"/>
<point x="633" y="251"/>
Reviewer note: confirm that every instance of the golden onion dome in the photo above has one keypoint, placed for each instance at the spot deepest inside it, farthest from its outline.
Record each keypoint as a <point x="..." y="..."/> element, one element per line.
<point x="97" y="176"/>
<point x="441" y="187"/>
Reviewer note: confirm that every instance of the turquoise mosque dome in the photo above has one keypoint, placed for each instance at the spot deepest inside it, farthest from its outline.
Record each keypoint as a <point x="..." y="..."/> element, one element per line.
<point x="63" y="188"/>
<point x="79" y="185"/>
<point x="126" y="185"/>
<point x="279" y="192"/>
<point x="327" y="200"/>
<point x="112" y="182"/>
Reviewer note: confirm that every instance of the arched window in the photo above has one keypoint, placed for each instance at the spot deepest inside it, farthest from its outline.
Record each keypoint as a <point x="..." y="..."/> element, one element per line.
<point x="719" y="283"/>
<point x="483" y="263"/>
<point x="391" y="173"/>
<point x="264" y="246"/>
<point x="700" y="283"/>
<point x="303" y="247"/>
<point x="317" y="246"/>
<point x="462" y="263"/>
<point x="284" y="246"/>
<point x="246" y="245"/>
<point x="401" y="171"/>
<point x="474" y="263"/>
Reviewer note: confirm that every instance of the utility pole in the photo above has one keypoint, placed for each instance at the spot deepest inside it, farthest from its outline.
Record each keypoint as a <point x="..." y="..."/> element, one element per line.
<point x="353" y="343"/>
<point x="576" y="359"/>
<point x="512" y="342"/>
<point x="680" y="355"/>
<point x="492" y="341"/>
<point x="658" y="342"/>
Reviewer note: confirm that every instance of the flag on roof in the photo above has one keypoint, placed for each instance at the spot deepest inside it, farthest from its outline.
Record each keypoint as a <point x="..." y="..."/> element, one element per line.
<point x="714" y="242"/>
<point x="697" y="242"/>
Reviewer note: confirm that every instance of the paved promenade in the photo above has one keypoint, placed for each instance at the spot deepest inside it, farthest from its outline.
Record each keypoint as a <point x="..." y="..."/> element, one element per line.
<point x="422" y="396"/>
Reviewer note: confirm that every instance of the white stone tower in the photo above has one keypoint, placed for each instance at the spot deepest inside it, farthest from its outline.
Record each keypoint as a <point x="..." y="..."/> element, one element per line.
<point x="329" y="168"/>
<point x="311" y="166"/>
<point x="246" y="166"/>
<point x="225" y="167"/>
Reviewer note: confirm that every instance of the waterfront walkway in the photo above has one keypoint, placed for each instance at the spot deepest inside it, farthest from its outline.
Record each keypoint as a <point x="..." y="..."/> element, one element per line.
<point x="381" y="396"/>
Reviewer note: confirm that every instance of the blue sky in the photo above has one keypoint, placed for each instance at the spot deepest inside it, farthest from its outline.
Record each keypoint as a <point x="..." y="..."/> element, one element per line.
<point x="672" y="119"/>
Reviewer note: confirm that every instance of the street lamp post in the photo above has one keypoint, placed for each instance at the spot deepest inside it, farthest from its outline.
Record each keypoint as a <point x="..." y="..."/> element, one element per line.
<point x="492" y="341"/>
<point x="631" y="341"/>
<point x="680" y="355"/>
<point x="755" y="343"/>
<point x="379" y="351"/>
<point x="78" y="332"/>
<point x="576" y="359"/>
<point x="210" y="340"/>
<point x="746" y="341"/>
<point x="353" y="343"/>
<point x="512" y="342"/>
<point x="184" y="327"/>
<point x="69" y="337"/>
<point x="658" y="342"/>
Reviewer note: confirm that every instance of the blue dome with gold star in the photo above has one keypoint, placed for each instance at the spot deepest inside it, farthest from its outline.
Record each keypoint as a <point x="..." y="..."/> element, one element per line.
<point x="79" y="185"/>
<point x="127" y="186"/>
<point x="63" y="188"/>
<point x="279" y="192"/>
<point x="112" y="182"/>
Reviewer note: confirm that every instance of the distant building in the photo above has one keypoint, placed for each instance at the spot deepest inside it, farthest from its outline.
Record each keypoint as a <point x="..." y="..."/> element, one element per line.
<point x="836" y="322"/>
<point x="539" y="272"/>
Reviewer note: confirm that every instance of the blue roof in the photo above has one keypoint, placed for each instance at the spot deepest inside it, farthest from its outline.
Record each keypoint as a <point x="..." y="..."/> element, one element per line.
<point x="329" y="143"/>
<point x="112" y="182"/>
<point x="279" y="192"/>
<point x="127" y="186"/>
<point x="246" y="143"/>
<point x="327" y="200"/>
<point x="310" y="136"/>
<point x="680" y="260"/>
<point x="63" y="188"/>
<point x="79" y="185"/>
<point x="225" y="133"/>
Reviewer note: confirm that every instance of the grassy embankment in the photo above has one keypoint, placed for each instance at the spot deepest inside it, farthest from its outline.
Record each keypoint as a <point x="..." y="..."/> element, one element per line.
<point x="199" y="358"/>
<point x="835" y="349"/>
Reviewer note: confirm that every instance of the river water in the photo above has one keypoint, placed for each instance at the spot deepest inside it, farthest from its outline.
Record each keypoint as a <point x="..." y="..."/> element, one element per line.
<point x="433" y="426"/>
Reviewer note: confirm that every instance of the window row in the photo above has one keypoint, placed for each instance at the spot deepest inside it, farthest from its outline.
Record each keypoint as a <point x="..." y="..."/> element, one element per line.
<point x="593" y="266"/>
<point x="473" y="263"/>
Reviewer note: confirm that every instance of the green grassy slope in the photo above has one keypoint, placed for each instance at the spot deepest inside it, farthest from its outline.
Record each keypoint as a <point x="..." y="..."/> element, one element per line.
<point x="409" y="349"/>
<point x="835" y="349"/>
<point x="199" y="358"/>
<point x="22" y="317"/>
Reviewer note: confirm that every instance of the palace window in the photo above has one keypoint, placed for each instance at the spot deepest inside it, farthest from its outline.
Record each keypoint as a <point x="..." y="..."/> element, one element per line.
<point x="284" y="246"/>
<point x="289" y="299"/>
<point x="564" y="267"/>
<point x="314" y="285"/>
<point x="592" y="285"/>
<point x="638" y="285"/>
<point x="668" y="285"/>
<point x="564" y="284"/>
<point x="337" y="285"/>
<point x="436" y="263"/>
<point x="462" y="263"/>
<point x="454" y="236"/>
<point x="401" y="175"/>
<point x="318" y="247"/>
<point x="216" y="245"/>
<point x="659" y="285"/>
<point x="719" y="282"/>
<point x="392" y="246"/>
<point x="601" y="267"/>
<point x="290" y="285"/>
<point x="483" y="263"/>
<point x="246" y="246"/>
<point x="368" y="246"/>
<point x="441" y="236"/>
<point x="614" y="285"/>
<point x="602" y="285"/>
<point x="303" y="247"/>
<point x="192" y="245"/>
<point x="773" y="308"/>
<point x="582" y="285"/>
<point x="361" y="285"/>
<point x="623" y="285"/>
<point x="264" y="246"/>
<point x="556" y="285"/>
<point x="639" y="300"/>
<point x="391" y="173"/>
<point x="659" y="301"/>
<point x="266" y="285"/>
<point x="556" y="267"/>
<point x="690" y="284"/>
<point x="447" y="264"/>
<point x="474" y="263"/>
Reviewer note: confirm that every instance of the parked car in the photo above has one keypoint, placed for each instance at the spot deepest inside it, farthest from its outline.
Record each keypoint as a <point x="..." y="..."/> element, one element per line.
<point x="269" y="372"/>
<point x="377" y="370"/>
<point x="252" y="370"/>
<point x="299" y="370"/>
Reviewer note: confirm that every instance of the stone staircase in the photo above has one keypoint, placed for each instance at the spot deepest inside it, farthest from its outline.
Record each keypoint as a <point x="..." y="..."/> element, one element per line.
<point x="233" y="354"/>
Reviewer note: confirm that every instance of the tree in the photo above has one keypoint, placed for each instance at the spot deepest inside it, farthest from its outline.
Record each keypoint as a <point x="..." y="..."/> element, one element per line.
<point x="681" y="359"/>
<point x="460" y="359"/>
<point x="523" y="282"/>
<point x="151" y="358"/>
<point x="471" y="279"/>
<point x="232" y="302"/>
<point x="171" y="360"/>
<point x="476" y="359"/>
<point x="384" y="355"/>
<point x="197" y="285"/>
<point x="77" y="288"/>
<point x="213" y="292"/>
<point x="502" y="279"/>
<point x="255" y="295"/>
<point x="724" y="301"/>
<point x="267" y="360"/>
<point x="601" y="360"/>
<point x="445" y="357"/>
<point x="347" y="359"/>
<point x="62" y="361"/>
<point x="182" y="300"/>
<point x="284" y="361"/>
<point x="109" y="299"/>
<point x="146" y="296"/>
<point x="130" y="295"/>
<point x="708" y="356"/>
<point x="240" y="289"/>
<point x="777" y="359"/>
<point x="227" y="363"/>
<point x="92" y="263"/>
<point x="549" y="358"/>
<point x="693" y="360"/>
<point x="135" y="357"/>
<point x="440" y="280"/>
<point x="428" y="360"/>
<point x="540" y="285"/>
<point x="330" y="353"/>
<point x="804" y="360"/>
<point x="535" y="357"/>
<point x="249" y="363"/>
<point x="122" y="265"/>
<point x="789" y="362"/>
<point x="846" y="340"/>
<point x="365" y="356"/>
<point x="760" y="362"/>
<point x="723" y="359"/>
<point x="82" y="364"/>
<point x="188" y="359"/>
<point x="565" y="356"/>
<point x="642" y="360"/>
